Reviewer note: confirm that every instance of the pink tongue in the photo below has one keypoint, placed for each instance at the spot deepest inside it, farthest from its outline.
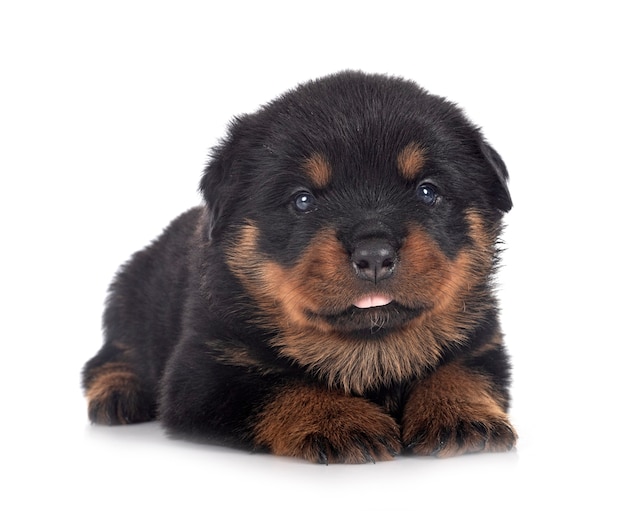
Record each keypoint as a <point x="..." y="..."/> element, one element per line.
<point x="372" y="301"/>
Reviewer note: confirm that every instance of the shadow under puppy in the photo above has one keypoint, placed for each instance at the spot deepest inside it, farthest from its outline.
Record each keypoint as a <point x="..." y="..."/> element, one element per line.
<point x="332" y="300"/>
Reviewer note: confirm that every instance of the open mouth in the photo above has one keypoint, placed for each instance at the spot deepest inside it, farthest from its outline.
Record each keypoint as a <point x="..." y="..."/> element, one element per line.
<point x="371" y="315"/>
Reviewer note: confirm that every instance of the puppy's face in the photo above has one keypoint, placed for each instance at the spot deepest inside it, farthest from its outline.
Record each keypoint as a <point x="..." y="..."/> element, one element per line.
<point x="358" y="210"/>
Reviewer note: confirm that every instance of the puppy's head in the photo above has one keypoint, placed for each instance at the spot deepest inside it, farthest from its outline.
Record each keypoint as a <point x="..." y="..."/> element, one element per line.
<point x="359" y="210"/>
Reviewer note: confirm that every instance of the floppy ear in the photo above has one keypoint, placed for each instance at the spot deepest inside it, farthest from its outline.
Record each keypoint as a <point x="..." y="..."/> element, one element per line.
<point x="499" y="189"/>
<point x="220" y="180"/>
<point x="212" y="186"/>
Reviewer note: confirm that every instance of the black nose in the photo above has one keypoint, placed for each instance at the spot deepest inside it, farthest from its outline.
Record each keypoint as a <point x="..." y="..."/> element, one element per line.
<point x="374" y="259"/>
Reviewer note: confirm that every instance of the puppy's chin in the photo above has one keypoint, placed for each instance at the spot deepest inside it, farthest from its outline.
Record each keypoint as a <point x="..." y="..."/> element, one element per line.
<point x="366" y="321"/>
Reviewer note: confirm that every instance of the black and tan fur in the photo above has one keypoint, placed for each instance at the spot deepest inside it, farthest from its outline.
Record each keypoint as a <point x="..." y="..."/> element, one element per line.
<point x="332" y="299"/>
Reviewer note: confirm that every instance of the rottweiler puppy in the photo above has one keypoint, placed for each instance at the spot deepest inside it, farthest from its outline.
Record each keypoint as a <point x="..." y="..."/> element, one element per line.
<point x="332" y="299"/>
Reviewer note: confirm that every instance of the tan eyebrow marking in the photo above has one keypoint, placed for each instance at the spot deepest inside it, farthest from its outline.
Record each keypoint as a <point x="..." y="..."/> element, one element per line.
<point x="318" y="169"/>
<point x="411" y="161"/>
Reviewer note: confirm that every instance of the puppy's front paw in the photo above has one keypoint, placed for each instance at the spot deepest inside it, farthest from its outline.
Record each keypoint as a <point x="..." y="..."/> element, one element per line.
<point x="455" y="412"/>
<point x="450" y="436"/>
<point x="326" y="427"/>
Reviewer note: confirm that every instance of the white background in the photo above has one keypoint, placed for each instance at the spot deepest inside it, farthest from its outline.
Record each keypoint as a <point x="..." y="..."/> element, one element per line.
<point x="107" y="113"/>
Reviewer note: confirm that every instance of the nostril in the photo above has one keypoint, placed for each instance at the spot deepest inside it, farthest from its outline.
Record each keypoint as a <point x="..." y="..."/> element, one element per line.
<point x="388" y="263"/>
<point x="361" y="264"/>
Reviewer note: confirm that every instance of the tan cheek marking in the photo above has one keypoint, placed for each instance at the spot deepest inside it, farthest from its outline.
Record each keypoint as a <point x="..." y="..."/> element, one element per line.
<point x="451" y="287"/>
<point x="422" y="254"/>
<point x="286" y="294"/>
<point x="243" y="258"/>
<point x="319" y="171"/>
<point x="426" y="270"/>
<point x="484" y="239"/>
<point x="411" y="161"/>
<point x="472" y="267"/>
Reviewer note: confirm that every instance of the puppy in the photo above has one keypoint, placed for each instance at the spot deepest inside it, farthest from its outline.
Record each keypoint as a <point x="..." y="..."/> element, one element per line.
<point x="333" y="298"/>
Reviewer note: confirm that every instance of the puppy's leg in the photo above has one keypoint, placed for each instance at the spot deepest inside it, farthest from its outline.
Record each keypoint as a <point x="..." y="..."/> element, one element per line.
<point x="116" y="390"/>
<point x="119" y="382"/>
<point x="249" y="407"/>
<point x="325" y="426"/>
<point x="142" y="322"/>
<point x="456" y="410"/>
<point x="208" y="401"/>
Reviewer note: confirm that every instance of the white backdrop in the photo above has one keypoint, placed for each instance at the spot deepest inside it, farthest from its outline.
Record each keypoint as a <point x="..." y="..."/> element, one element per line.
<point x="107" y="113"/>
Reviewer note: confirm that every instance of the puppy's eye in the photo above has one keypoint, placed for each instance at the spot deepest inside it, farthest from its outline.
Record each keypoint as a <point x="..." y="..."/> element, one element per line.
<point x="427" y="194"/>
<point x="304" y="202"/>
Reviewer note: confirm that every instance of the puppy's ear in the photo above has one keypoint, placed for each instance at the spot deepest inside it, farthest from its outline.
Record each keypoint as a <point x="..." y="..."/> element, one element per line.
<point x="210" y="185"/>
<point x="220" y="180"/>
<point x="499" y="190"/>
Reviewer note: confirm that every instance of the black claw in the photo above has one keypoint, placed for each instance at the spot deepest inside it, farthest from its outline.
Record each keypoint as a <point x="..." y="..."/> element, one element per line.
<point x="392" y="451"/>
<point x="444" y="437"/>
<point x="388" y="445"/>
<point x="484" y="434"/>
<point x="321" y="447"/>
<point x="417" y="439"/>
<point x="368" y="457"/>
<point x="365" y="447"/>
<point x="506" y="435"/>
